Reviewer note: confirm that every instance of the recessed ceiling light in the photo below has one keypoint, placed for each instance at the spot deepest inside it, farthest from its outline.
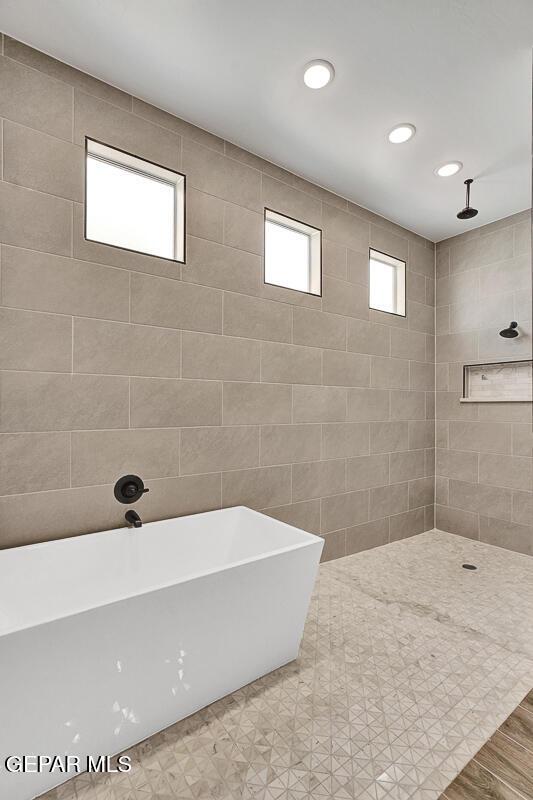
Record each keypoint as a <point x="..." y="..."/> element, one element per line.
<point x="402" y="133"/>
<point x="318" y="74"/>
<point x="449" y="169"/>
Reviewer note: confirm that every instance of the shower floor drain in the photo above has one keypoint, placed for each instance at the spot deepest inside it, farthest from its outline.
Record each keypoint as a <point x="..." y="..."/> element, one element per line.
<point x="469" y="566"/>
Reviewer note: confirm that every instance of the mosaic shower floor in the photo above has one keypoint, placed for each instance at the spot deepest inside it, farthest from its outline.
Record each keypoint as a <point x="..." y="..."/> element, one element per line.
<point x="408" y="664"/>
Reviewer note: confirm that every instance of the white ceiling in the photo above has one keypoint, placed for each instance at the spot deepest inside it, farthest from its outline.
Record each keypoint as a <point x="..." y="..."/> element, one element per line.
<point x="460" y="70"/>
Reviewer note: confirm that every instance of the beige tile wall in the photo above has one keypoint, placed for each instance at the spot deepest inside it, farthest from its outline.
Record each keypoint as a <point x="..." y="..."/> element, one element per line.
<point x="484" y="463"/>
<point x="215" y="388"/>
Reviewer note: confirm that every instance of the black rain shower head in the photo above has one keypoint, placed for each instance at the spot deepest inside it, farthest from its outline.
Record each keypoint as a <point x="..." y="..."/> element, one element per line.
<point x="510" y="332"/>
<point x="468" y="212"/>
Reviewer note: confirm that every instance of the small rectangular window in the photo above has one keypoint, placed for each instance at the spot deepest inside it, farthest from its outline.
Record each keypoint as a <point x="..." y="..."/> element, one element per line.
<point x="133" y="204"/>
<point x="387" y="283"/>
<point x="293" y="253"/>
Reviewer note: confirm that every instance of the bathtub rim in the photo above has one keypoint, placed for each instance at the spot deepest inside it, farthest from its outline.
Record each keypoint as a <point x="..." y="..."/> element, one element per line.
<point x="310" y="539"/>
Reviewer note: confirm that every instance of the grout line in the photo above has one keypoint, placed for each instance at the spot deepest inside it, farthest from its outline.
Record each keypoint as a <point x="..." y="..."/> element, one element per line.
<point x="70" y="459"/>
<point x="72" y="346"/>
<point x="72" y="124"/>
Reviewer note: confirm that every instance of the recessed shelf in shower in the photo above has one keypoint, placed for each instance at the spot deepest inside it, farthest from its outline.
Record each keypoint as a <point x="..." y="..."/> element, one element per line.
<point x="500" y="382"/>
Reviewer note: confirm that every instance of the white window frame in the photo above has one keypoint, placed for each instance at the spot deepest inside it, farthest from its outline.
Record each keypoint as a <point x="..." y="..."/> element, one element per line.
<point x="148" y="169"/>
<point x="400" y="275"/>
<point x="315" y="250"/>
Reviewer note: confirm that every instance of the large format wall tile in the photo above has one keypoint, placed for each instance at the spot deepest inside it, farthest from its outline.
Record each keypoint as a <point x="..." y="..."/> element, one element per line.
<point x="388" y="437"/>
<point x="289" y="444"/>
<point x="44" y="282"/>
<point x="408" y="523"/>
<point x="163" y="403"/>
<point x="172" y="304"/>
<point x="205" y="215"/>
<point x="506" y="534"/>
<point x="38" y="516"/>
<point x="388" y="242"/>
<point x="223" y="177"/>
<point x="318" y="479"/>
<point x="217" y="388"/>
<point x="51" y="401"/>
<point x="255" y="318"/>
<point x="34" y="462"/>
<point x="387" y="500"/>
<point x="456" y="464"/>
<point x="219" y="357"/>
<point x="304" y="515"/>
<point x="319" y="404"/>
<point x="319" y="329"/>
<point x="283" y="363"/>
<point x="344" y="510"/>
<point x="120" y="348"/>
<point x="482" y="437"/>
<point x="339" y="226"/>
<point x="216" y="449"/>
<point x="390" y="373"/>
<point x="64" y="72"/>
<point x="345" y="369"/>
<point x="103" y="456"/>
<point x="264" y="487"/>
<point x="515" y="472"/>
<point x="35" y="220"/>
<point x="464" y="523"/>
<point x="42" y="162"/>
<point x="482" y="499"/>
<point x="367" y="535"/>
<point x="523" y="507"/>
<point x="243" y="229"/>
<point x="117" y="128"/>
<point x="408" y="405"/>
<point x="32" y="98"/>
<point x="30" y="340"/>
<point x="347" y="299"/>
<point x="484" y="463"/>
<point x="291" y="202"/>
<point x="213" y="264"/>
<point x="368" y="404"/>
<point x="256" y="403"/>
<point x="407" y="465"/>
<point x="180" y="126"/>
<point x="369" y="337"/>
<point x="365" y="472"/>
<point x="343" y="440"/>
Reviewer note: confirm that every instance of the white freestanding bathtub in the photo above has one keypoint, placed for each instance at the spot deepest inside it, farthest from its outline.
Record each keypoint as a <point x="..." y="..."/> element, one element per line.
<point x="108" y="638"/>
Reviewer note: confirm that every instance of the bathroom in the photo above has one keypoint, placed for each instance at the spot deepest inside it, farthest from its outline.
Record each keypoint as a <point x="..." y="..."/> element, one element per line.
<point x="266" y="443"/>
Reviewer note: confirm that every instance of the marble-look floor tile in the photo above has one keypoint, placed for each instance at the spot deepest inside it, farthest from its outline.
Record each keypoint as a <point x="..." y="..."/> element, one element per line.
<point x="408" y="665"/>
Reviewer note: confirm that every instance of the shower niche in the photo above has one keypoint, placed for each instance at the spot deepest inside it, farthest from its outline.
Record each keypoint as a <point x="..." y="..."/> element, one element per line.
<point x="500" y="382"/>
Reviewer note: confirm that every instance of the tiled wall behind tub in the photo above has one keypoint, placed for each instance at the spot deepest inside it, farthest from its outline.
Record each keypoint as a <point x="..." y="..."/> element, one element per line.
<point x="215" y="388"/>
<point x="484" y="481"/>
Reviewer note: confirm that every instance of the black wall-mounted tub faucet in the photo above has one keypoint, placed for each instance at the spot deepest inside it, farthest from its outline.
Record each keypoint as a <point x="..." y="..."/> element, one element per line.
<point x="133" y="519"/>
<point x="129" y="488"/>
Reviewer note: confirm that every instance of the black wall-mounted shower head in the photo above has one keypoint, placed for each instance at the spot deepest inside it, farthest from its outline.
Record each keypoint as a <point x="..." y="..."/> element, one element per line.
<point x="468" y="212"/>
<point x="510" y="332"/>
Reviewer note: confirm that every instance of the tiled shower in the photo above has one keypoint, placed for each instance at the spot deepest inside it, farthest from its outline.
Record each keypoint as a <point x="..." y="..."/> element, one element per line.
<point x="216" y="373"/>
